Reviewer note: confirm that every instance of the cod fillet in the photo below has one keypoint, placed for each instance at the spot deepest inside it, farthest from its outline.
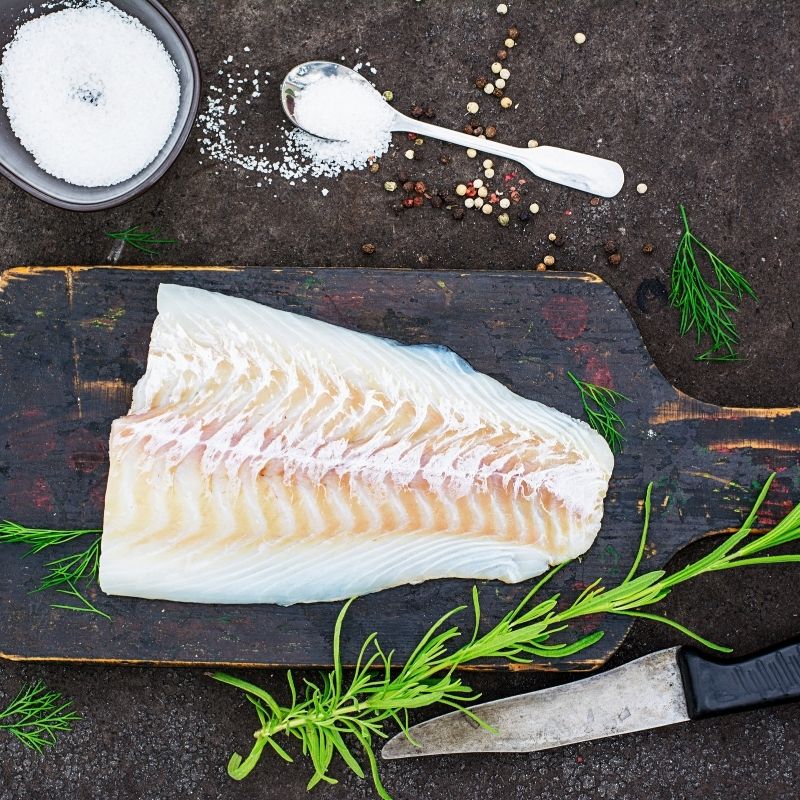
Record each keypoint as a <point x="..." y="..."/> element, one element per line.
<point x="272" y="458"/>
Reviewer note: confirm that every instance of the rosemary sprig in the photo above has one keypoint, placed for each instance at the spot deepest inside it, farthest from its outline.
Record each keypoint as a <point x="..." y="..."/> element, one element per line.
<point x="598" y="404"/>
<point x="63" y="574"/>
<point x="702" y="306"/>
<point x="146" y="241"/>
<point x="338" y="716"/>
<point x="36" y="716"/>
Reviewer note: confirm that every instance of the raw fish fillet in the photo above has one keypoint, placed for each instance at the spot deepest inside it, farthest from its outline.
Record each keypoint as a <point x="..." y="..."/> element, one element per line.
<point x="272" y="458"/>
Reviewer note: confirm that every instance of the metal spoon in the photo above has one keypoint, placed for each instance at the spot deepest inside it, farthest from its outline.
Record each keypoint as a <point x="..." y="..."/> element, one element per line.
<point x="591" y="174"/>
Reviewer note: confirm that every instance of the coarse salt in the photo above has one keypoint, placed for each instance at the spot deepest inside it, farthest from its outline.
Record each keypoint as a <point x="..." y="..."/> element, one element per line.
<point x="296" y="154"/>
<point x="90" y="92"/>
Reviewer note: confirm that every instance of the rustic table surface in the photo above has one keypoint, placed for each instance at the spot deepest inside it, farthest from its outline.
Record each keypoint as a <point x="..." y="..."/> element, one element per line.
<point x="701" y="104"/>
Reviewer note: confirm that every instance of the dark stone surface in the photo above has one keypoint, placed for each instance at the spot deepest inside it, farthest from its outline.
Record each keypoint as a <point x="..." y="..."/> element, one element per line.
<point x="700" y="102"/>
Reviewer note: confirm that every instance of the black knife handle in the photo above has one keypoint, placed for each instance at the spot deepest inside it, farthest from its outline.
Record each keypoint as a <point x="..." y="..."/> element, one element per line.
<point x="715" y="686"/>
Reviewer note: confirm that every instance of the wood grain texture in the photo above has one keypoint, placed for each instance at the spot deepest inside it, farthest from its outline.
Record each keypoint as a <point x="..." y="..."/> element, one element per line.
<point x="73" y="342"/>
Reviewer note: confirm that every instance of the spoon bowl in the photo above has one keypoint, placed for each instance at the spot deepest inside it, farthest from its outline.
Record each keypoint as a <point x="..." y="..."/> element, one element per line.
<point x="587" y="173"/>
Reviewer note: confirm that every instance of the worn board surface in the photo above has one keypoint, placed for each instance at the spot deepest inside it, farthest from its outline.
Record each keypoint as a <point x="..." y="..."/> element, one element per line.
<point x="73" y="341"/>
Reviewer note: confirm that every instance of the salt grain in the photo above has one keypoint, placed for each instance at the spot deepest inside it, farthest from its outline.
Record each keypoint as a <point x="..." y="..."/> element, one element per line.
<point x="90" y="92"/>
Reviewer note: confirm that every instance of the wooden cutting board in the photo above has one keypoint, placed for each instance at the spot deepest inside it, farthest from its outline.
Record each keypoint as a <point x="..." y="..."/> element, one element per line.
<point x="73" y="342"/>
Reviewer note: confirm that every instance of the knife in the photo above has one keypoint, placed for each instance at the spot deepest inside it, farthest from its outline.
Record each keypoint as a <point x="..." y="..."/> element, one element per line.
<point x="662" y="688"/>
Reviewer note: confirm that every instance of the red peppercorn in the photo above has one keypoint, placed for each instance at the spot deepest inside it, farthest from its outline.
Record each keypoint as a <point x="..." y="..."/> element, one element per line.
<point x="418" y="200"/>
<point x="471" y="191"/>
<point x="408" y="202"/>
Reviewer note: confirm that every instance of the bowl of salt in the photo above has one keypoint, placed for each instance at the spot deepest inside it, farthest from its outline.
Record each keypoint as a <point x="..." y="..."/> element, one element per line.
<point x="98" y="98"/>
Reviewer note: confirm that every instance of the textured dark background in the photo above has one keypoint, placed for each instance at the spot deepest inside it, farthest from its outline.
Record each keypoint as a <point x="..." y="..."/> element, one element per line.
<point x="701" y="102"/>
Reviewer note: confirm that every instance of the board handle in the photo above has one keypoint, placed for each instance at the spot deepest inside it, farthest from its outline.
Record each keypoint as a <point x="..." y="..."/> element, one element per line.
<point x="715" y="686"/>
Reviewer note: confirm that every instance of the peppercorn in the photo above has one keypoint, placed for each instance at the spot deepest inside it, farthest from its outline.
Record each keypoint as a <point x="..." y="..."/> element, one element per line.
<point x="403" y="176"/>
<point x="444" y="158"/>
<point x="505" y="203"/>
<point x="368" y="248"/>
<point x="541" y="267"/>
<point x="451" y="200"/>
<point x="390" y="186"/>
<point x="471" y="153"/>
<point x="481" y="82"/>
<point x="396" y="207"/>
<point x="504" y="219"/>
<point x="549" y="261"/>
<point x="551" y="237"/>
<point x="418" y="200"/>
<point x="477" y="130"/>
<point x="496" y="67"/>
<point x="458" y="213"/>
<point x="473" y="107"/>
<point x="388" y="95"/>
<point x="417" y="111"/>
<point x="468" y="129"/>
<point x="647" y="249"/>
<point x="595" y="201"/>
<point x="524" y="217"/>
<point x="420" y="187"/>
<point x="408" y="202"/>
<point x="461" y="189"/>
<point x="505" y="74"/>
<point x="374" y="167"/>
<point x="491" y="132"/>
<point x="429" y="112"/>
<point x="500" y="83"/>
<point x="506" y="102"/>
<point x="560" y="240"/>
<point x="411" y="136"/>
<point x="534" y="208"/>
<point x="408" y="186"/>
<point x="509" y="43"/>
<point x="615" y="259"/>
<point x="471" y="191"/>
<point x="498" y="92"/>
<point x="610" y="247"/>
<point x="409" y="154"/>
<point x="488" y="88"/>
<point x="502" y="55"/>
<point x="419" y="140"/>
<point x="513" y="33"/>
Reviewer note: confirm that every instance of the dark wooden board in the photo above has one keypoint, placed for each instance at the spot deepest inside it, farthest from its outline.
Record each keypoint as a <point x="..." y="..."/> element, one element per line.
<point x="73" y="341"/>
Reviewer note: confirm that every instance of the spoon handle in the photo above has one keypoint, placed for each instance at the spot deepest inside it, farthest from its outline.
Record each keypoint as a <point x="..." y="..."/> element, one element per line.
<point x="577" y="170"/>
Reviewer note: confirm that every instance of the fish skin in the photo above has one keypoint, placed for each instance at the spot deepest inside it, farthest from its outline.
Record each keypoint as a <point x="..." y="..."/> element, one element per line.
<point x="272" y="458"/>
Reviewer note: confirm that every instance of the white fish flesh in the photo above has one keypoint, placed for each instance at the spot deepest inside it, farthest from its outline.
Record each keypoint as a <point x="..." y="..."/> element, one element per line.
<point x="272" y="458"/>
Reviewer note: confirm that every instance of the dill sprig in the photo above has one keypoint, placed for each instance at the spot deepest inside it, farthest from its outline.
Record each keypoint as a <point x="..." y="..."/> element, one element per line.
<point x="598" y="404"/>
<point x="66" y="573"/>
<point x="702" y="306"/>
<point x="346" y="716"/>
<point x="37" y="715"/>
<point x="146" y="241"/>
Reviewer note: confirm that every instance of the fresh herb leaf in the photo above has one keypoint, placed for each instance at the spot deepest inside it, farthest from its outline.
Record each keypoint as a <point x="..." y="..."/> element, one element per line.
<point x="64" y="574"/>
<point x="333" y="716"/>
<point x="146" y="241"/>
<point x="598" y="404"/>
<point x="703" y="306"/>
<point x="36" y="716"/>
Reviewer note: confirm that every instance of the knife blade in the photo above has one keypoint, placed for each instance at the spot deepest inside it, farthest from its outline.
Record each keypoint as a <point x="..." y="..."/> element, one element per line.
<point x="663" y="688"/>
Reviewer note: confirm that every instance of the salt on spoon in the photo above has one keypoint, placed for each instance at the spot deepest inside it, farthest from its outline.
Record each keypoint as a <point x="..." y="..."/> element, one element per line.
<point x="333" y="102"/>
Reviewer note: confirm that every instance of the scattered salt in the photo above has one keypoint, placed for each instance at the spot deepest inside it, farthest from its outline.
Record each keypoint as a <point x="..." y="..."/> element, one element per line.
<point x="90" y="92"/>
<point x="299" y="155"/>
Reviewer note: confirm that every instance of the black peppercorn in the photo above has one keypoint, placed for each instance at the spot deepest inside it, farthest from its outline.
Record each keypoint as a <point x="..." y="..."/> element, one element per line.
<point x="408" y="186"/>
<point x="610" y="247"/>
<point x="524" y="217"/>
<point x="368" y="248"/>
<point x="502" y="55"/>
<point x="513" y="32"/>
<point x="490" y="132"/>
<point x="444" y="158"/>
<point x="403" y="176"/>
<point x="615" y="259"/>
<point x="417" y="111"/>
<point x="436" y="201"/>
<point x="647" y="249"/>
<point x="498" y="92"/>
<point x="477" y="130"/>
<point x="481" y="82"/>
<point x="458" y="212"/>
<point x="429" y="112"/>
<point x="559" y="241"/>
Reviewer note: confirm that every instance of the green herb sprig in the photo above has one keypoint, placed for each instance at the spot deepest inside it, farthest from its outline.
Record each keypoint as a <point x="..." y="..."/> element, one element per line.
<point x="146" y="241"/>
<point x="598" y="405"/>
<point x="64" y="574"/>
<point x="703" y="306"/>
<point x="339" y="716"/>
<point x="37" y="715"/>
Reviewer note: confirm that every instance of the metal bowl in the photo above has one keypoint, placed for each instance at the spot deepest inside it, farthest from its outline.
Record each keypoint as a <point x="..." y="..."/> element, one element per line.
<point x="18" y="165"/>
